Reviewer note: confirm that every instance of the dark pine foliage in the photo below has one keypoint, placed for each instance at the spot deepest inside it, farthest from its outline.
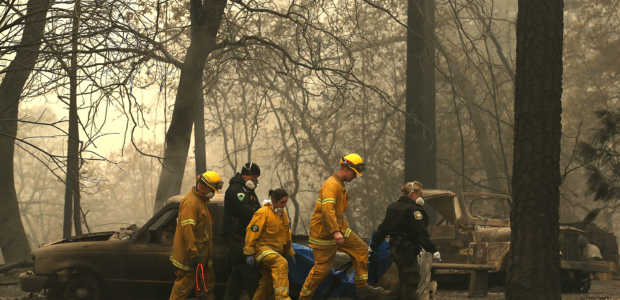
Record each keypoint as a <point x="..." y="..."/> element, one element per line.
<point x="601" y="157"/>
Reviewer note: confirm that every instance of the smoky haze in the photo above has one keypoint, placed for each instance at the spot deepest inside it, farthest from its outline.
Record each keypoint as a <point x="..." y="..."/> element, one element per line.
<point x="293" y="87"/>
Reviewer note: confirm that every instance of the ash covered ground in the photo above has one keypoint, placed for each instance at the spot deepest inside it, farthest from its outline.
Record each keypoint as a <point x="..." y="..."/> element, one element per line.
<point x="601" y="290"/>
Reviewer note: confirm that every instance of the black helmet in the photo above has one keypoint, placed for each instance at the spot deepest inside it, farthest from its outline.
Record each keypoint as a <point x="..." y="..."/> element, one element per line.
<point x="250" y="168"/>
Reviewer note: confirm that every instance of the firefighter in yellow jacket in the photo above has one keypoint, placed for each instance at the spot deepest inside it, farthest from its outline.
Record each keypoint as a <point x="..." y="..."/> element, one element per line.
<point x="329" y="232"/>
<point x="267" y="241"/>
<point x="193" y="244"/>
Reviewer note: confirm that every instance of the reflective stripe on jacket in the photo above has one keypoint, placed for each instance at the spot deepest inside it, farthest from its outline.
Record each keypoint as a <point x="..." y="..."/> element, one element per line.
<point x="268" y="232"/>
<point x="328" y="216"/>
<point x="193" y="232"/>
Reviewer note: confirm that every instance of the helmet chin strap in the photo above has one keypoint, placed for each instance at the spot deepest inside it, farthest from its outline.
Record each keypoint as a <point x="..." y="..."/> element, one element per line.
<point x="208" y="194"/>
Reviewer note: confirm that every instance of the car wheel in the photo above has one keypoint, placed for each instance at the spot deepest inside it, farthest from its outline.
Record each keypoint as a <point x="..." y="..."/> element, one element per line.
<point x="82" y="286"/>
<point x="583" y="282"/>
<point x="54" y="293"/>
<point x="575" y="281"/>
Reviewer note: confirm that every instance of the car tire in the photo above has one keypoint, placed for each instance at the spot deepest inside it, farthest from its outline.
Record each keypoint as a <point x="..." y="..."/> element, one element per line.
<point x="82" y="286"/>
<point x="575" y="282"/>
<point x="54" y="293"/>
<point x="583" y="282"/>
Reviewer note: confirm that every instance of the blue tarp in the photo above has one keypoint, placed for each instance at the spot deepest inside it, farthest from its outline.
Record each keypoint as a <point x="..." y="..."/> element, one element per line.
<point x="379" y="263"/>
<point x="338" y="283"/>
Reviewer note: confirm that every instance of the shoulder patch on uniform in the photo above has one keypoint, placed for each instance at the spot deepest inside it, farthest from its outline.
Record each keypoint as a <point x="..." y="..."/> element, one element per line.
<point x="240" y="196"/>
<point x="417" y="215"/>
<point x="254" y="228"/>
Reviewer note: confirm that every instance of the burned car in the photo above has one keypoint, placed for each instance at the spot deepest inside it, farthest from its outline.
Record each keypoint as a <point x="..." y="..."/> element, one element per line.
<point x="133" y="260"/>
<point x="475" y="229"/>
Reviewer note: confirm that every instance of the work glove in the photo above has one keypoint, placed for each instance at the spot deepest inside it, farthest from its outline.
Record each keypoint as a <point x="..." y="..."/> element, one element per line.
<point x="437" y="256"/>
<point x="198" y="260"/>
<point x="292" y="259"/>
<point x="372" y="257"/>
<point x="371" y="252"/>
<point x="249" y="259"/>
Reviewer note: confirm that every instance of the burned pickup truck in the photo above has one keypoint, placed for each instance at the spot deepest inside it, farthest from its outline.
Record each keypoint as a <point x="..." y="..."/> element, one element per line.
<point x="475" y="229"/>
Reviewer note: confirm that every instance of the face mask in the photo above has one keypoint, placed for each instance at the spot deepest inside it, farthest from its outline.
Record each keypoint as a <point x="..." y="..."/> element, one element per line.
<point x="209" y="195"/>
<point x="250" y="184"/>
<point x="419" y="201"/>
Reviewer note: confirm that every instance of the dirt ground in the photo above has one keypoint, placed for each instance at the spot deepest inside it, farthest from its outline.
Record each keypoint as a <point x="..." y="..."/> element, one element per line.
<point x="601" y="290"/>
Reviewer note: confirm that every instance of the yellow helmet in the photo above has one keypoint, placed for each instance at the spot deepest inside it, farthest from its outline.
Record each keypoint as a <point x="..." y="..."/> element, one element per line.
<point x="211" y="179"/>
<point x="354" y="161"/>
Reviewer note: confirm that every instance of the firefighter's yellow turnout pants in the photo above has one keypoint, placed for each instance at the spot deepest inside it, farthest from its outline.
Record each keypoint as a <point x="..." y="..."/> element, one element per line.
<point x="185" y="283"/>
<point x="323" y="260"/>
<point x="274" y="278"/>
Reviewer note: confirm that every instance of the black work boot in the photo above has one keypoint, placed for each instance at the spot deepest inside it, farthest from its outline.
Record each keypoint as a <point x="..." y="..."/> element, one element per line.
<point x="371" y="292"/>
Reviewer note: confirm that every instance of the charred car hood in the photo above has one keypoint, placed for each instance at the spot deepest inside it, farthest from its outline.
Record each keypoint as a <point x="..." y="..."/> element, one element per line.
<point x="96" y="236"/>
<point x="80" y="250"/>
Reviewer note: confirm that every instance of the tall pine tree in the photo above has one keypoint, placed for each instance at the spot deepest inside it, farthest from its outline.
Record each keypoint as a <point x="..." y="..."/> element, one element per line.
<point x="534" y="271"/>
<point x="420" y="141"/>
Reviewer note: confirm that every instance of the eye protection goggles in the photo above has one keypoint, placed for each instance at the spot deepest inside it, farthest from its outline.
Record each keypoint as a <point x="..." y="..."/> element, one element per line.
<point x="358" y="168"/>
<point x="216" y="186"/>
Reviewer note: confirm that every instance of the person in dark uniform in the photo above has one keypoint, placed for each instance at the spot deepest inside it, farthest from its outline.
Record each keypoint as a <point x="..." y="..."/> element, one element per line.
<point x="405" y="222"/>
<point x="240" y="204"/>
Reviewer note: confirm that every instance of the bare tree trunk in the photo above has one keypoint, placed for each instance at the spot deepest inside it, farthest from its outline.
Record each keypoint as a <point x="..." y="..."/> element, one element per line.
<point x="72" y="181"/>
<point x="487" y="156"/>
<point x="76" y="164"/>
<point x="420" y="145"/>
<point x="489" y="163"/>
<point x="13" y="239"/>
<point x="206" y="17"/>
<point x="200" y="154"/>
<point x="534" y="270"/>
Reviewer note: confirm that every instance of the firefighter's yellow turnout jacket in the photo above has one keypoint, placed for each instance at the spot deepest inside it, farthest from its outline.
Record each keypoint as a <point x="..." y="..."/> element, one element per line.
<point x="193" y="235"/>
<point x="268" y="238"/>
<point x="192" y="238"/>
<point x="268" y="232"/>
<point x="329" y="214"/>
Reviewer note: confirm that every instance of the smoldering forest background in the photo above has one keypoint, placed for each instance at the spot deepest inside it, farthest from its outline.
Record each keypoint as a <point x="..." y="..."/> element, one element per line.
<point x="293" y="87"/>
